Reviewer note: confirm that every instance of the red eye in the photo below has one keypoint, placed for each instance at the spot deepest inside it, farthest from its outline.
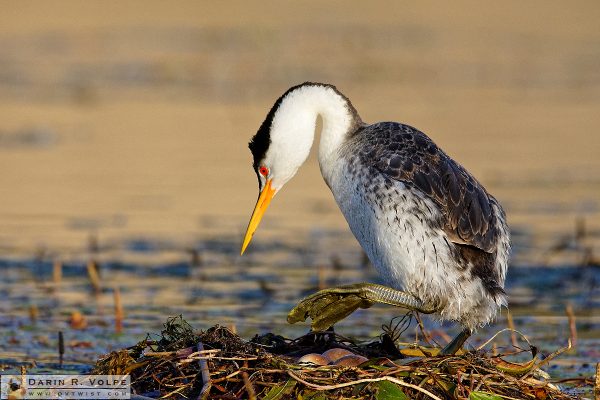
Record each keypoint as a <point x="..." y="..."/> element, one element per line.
<point x="264" y="171"/>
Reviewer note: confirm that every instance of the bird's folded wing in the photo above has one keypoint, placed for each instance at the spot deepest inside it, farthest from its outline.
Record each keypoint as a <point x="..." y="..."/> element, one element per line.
<point x="405" y="154"/>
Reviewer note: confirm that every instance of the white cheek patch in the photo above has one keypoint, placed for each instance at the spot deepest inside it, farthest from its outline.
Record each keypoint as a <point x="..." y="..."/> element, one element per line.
<point x="293" y="129"/>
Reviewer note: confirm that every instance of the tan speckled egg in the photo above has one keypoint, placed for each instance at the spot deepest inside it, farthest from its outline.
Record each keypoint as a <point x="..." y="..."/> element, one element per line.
<point x="313" y="358"/>
<point x="351" y="360"/>
<point x="335" y="354"/>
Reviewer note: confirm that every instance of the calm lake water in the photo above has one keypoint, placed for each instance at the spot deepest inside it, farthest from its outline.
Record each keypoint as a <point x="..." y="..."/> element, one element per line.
<point x="123" y="139"/>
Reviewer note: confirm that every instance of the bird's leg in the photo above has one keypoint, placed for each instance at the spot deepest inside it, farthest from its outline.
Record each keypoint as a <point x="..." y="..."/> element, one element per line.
<point x="456" y="343"/>
<point x="329" y="306"/>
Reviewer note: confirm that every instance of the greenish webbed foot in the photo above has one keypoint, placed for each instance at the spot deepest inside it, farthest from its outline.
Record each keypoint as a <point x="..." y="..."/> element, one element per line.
<point x="329" y="306"/>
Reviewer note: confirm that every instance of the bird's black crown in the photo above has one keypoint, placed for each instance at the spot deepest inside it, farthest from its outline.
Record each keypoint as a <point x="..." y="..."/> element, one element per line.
<point x="261" y="141"/>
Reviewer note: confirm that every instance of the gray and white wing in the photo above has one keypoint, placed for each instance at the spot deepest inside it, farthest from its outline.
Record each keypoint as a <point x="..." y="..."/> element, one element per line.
<point x="405" y="154"/>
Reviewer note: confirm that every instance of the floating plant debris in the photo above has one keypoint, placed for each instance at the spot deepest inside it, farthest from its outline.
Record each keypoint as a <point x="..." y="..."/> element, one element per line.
<point x="217" y="364"/>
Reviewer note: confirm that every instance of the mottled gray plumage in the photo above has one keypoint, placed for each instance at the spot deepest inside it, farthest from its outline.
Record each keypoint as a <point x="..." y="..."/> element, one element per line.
<point x="406" y="154"/>
<point x="402" y="153"/>
<point x="427" y="225"/>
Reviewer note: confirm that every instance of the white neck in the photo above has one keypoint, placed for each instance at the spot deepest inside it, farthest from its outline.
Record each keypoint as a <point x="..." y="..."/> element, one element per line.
<point x="293" y="127"/>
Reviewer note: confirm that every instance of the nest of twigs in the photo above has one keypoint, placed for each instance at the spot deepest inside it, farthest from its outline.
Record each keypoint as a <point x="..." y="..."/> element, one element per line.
<point x="218" y="364"/>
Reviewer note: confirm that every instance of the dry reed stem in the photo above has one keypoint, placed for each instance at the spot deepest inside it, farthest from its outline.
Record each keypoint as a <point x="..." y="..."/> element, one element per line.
<point x="501" y="331"/>
<point x="186" y="352"/>
<point x="384" y="378"/>
<point x="549" y="358"/>
<point x="94" y="277"/>
<point x="248" y="386"/>
<point x="207" y="384"/>
<point x="57" y="274"/>
<point x="445" y="337"/>
<point x="119" y="315"/>
<point x="572" y="323"/>
<point x="511" y="326"/>
<point x="179" y="389"/>
<point x="426" y="334"/>
<point x="225" y="378"/>
<point x="34" y="313"/>
<point x="211" y="357"/>
<point x="96" y="284"/>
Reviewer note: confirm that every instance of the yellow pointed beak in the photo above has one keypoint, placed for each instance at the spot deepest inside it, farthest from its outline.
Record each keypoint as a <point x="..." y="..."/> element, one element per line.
<point x="261" y="206"/>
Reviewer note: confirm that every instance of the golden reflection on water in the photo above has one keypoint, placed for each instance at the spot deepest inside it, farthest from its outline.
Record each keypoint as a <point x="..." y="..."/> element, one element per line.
<point x="132" y="120"/>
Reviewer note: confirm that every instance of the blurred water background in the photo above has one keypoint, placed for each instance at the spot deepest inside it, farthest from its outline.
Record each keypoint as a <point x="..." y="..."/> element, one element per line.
<point x="123" y="140"/>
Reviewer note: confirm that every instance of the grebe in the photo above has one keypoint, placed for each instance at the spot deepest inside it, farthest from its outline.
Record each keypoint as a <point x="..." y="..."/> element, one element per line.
<point x="432" y="231"/>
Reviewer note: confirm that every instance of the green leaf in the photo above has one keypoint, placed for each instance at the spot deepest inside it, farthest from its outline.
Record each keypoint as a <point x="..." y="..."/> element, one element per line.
<point x="278" y="391"/>
<point x="483" y="396"/>
<point x="317" y="396"/>
<point x="389" y="391"/>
